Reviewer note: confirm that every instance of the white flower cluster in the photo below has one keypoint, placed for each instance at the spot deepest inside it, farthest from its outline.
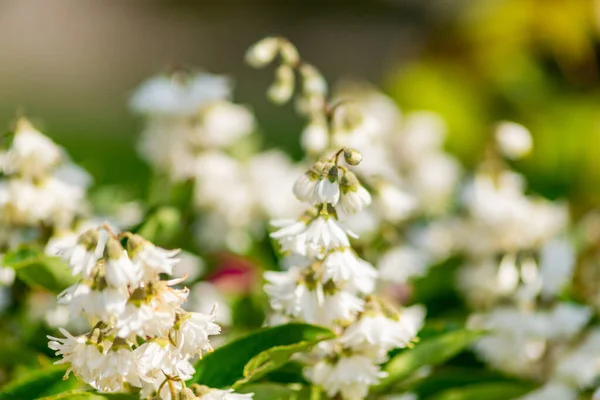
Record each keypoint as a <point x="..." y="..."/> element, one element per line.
<point x="518" y="260"/>
<point x="40" y="187"/>
<point x="195" y="132"/>
<point x="327" y="283"/>
<point x="143" y="340"/>
<point x="406" y="167"/>
<point x="41" y="192"/>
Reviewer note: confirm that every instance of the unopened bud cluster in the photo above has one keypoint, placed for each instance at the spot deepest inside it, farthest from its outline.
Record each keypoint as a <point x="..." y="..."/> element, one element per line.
<point x="142" y="340"/>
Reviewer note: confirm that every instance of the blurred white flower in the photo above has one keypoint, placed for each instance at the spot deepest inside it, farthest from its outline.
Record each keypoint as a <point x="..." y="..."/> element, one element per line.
<point x="31" y="154"/>
<point x="179" y="94"/>
<point x="514" y="140"/>
<point x="402" y="263"/>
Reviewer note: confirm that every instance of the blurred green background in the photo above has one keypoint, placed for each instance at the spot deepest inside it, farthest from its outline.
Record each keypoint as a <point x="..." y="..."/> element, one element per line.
<point x="71" y="65"/>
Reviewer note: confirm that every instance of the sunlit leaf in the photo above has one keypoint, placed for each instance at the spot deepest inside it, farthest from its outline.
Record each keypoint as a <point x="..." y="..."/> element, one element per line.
<point x="432" y="351"/>
<point x="226" y="365"/>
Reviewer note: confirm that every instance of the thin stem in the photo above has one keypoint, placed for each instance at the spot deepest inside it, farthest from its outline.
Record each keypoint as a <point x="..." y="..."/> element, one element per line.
<point x="172" y="389"/>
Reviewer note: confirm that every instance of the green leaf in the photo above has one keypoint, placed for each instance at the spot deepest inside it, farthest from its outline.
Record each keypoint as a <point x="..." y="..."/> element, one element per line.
<point x="273" y="358"/>
<point x="37" y="269"/>
<point x="274" y="391"/>
<point x="225" y="366"/>
<point x="432" y="351"/>
<point x="87" y="395"/>
<point x="33" y="385"/>
<point x="487" y="391"/>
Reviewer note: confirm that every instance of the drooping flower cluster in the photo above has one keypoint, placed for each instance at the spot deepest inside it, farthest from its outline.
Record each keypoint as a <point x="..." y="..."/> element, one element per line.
<point x="195" y="132"/>
<point x="327" y="283"/>
<point x="142" y="339"/>
<point x="324" y="280"/>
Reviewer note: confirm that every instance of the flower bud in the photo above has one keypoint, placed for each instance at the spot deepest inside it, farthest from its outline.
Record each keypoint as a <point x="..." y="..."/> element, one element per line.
<point x="352" y="156"/>
<point x="282" y="89"/>
<point x="289" y="53"/>
<point x="263" y="52"/>
<point x="187" y="394"/>
<point x="314" y="83"/>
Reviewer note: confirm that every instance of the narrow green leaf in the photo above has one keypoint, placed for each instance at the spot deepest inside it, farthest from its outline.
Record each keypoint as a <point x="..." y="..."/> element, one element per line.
<point x="225" y="366"/>
<point x="32" y="385"/>
<point x="487" y="391"/>
<point x="432" y="351"/>
<point x="273" y="358"/>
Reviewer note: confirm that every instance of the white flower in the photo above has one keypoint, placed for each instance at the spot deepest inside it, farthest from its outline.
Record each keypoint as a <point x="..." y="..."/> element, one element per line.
<point x="320" y="234"/>
<point x="151" y="259"/>
<point x="229" y="394"/>
<point x="514" y="140"/>
<point x="339" y="307"/>
<point x="304" y="186"/>
<point x="396" y="205"/>
<point x="104" y="304"/>
<point x="119" y="369"/>
<point x="191" y="332"/>
<point x="315" y="137"/>
<point x="148" y="319"/>
<point x="7" y="275"/>
<point x="580" y="366"/>
<point x="225" y="123"/>
<point x="381" y="332"/>
<point x="350" y="376"/>
<point x="344" y="266"/>
<point x="84" y="358"/>
<point x="158" y="357"/>
<point x="31" y="153"/>
<point x="353" y="200"/>
<point x="83" y="255"/>
<point x="120" y="271"/>
<point x="552" y="391"/>
<point x="281" y="289"/>
<point x="179" y="95"/>
<point x="327" y="190"/>
<point x="402" y="263"/>
<point x="557" y="261"/>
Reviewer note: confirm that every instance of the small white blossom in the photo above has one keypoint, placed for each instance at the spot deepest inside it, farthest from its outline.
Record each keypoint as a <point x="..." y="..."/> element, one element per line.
<point x="305" y="185"/>
<point x="378" y="331"/>
<point x="353" y="199"/>
<point x="349" y="376"/>
<point x="191" y="332"/>
<point x="327" y="190"/>
<point x="119" y="370"/>
<point x="345" y="267"/>
<point x="151" y="259"/>
<point x="120" y="271"/>
<point x="105" y="304"/>
<point x="85" y="359"/>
